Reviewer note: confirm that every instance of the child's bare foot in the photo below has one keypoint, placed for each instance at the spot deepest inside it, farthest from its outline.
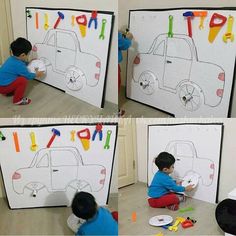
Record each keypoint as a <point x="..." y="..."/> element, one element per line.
<point x="173" y="207"/>
<point x="23" y="101"/>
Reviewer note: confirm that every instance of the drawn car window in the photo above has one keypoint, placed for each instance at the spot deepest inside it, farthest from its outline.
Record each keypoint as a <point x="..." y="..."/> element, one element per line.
<point x="51" y="40"/>
<point x="63" y="158"/>
<point x="172" y="150"/>
<point x="65" y="40"/>
<point x="159" y="50"/>
<point x="184" y="150"/>
<point x="44" y="162"/>
<point x="179" y="48"/>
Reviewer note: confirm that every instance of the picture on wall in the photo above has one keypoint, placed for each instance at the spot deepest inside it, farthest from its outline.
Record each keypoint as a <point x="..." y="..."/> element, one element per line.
<point x="46" y="165"/>
<point x="182" y="60"/>
<point x="197" y="151"/>
<point x="74" y="46"/>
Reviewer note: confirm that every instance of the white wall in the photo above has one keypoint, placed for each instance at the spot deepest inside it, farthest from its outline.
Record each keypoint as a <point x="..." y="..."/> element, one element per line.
<point x="228" y="158"/>
<point x="34" y="121"/>
<point x="19" y="29"/>
<point x="125" y="6"/>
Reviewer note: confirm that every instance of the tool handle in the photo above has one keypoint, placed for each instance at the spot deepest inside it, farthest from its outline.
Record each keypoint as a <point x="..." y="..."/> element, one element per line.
<point x="16" y="141"/>
<point x="51" y="140"/>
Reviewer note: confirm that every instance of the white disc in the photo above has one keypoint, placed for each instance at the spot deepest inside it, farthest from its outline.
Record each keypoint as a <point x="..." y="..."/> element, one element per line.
<point x="33" y="65"/>
<point x="160" y="220"/>
<point x="190" y="180"/>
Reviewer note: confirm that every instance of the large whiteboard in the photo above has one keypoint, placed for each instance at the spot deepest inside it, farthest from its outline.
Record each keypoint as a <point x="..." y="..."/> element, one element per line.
<point x="75" y="52"/>
<point x="55" y="173"/>
<point x="197" y="150"/>
<point x="182" y="73"/>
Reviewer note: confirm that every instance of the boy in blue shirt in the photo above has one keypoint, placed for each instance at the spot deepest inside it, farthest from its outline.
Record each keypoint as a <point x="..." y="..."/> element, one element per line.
<point x="162" y="190"/>
<point x="14" y="74"/>
<point x="99" y="220"/>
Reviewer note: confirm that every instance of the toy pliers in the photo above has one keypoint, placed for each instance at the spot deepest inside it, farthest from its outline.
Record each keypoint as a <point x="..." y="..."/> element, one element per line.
<point x="98" y="129"/>
<point x="93" y="18"/>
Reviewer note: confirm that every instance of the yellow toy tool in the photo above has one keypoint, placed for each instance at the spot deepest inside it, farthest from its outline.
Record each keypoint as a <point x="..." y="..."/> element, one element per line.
<point x="33" y="146"/>
<point x="46" y="24"/>
<point x="202" y="15"/>
<point x="229" y="34"/>
<point x="82" y="22"/>
<point x="174" y="227"/>
<point x="84" y="136"/>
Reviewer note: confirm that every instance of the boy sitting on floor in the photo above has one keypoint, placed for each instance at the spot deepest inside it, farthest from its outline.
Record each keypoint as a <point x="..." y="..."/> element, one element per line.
<point x="162" y="190"/>
<point x="14" y="74"/>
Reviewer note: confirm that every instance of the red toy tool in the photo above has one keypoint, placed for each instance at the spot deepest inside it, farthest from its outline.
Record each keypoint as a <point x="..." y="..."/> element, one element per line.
<point x="189" y="15"/>
<point x="55" y="133"/>
<point x="94" y="19"/>
<point x="98" y="129"/>
<point x="84" y="136"/>
<point x="60" y="17"/>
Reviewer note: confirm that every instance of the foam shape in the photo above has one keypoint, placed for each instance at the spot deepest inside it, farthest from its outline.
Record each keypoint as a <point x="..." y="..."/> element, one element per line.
<point x="160" y="220"/>
<point x="191" y="179"/>
<point x="36" y="64"/>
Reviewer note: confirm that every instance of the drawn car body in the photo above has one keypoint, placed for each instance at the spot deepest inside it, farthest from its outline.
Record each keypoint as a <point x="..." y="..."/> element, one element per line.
<point x="61" y="50"/>
<point x="56" y="169"/>
<point x="172" y="64"/>
<point x="187" y="162"/>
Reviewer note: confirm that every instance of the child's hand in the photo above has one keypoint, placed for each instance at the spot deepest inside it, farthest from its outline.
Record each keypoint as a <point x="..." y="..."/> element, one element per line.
<point x="189" y="188"/>
<point x="129" y="35"/>
<point x="179" y="182"/>
<point x="39" y="74"/>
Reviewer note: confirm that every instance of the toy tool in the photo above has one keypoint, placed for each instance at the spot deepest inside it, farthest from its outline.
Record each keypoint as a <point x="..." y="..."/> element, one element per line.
<point x="170" y="32"/>
<point x="73" y="21"/>
<point x="84" y="136"/>
<point x="98" y="129"/>
<point x="174" y="227"/>
<point x="37" y="20"/>
<point x="202" y="15"/>
<point x="55" y="133"/>
<point x="72" y="135"/>
<point x="102" y="34"/>
<point x="2" y="137"/>
<point x="107" y="144"/>
<point x="134" y="216"/>
<point x="33" y="146"/>
<point x="16" y="141"/>
<point x="46" y="24"/>
<point x="229" y="35"/>
<point x="60" y="17"/>
<point x="215" y="27"/>
<point x="159" y="234"/>
<point x="29" y="15"/>
<point x="189" y="15"/>
<point x="94" y="19"/>
<point x="186" y="209"/>
<point x="82" y="22"/>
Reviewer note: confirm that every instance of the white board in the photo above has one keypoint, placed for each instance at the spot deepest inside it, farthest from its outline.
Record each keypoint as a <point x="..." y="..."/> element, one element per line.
<point x="75" y="54"/>
<point x="181" y="73"/>
<point x="54" y="174"/>
<point x="197" y="150"/>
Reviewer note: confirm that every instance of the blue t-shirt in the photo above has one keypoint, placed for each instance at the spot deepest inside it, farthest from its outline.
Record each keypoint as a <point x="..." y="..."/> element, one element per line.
<point x="123" y="44"/>
<point x="162" y="184"/>
<point x="13" y="68"/>
<point x="101" y="224"/>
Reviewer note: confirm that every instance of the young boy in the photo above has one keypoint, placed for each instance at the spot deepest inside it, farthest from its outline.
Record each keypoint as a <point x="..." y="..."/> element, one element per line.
<point x="161" y="191"/>
<point x="99" y="220"/>
<point x="14" y="74"/>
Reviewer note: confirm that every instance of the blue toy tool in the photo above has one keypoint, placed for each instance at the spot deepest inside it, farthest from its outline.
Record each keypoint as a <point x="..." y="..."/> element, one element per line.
<point x="98" y="129"/>
<point x="94" y="19"/>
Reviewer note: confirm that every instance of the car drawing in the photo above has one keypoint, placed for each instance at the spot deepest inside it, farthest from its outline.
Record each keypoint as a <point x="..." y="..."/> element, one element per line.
<point x="58" y="169"/>
<point x="187" y="162"/>
<point x="61" y="50"/>
<point x="172" y="64"/>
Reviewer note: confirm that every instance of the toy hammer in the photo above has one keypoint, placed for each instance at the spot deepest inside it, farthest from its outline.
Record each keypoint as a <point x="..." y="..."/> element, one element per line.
<point x="60" y="17"/>
<point x="55" y="133"/>
<point x="189" y="15"/>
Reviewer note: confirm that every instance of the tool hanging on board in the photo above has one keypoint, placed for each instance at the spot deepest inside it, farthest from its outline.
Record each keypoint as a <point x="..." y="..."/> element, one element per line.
<point x="98" y="130"/>
<point x="16" y="141"/>
<point x="82" y="22"/>
<point x="229" y="35"/>
<point x="94" y="19"/>
<point x="84" y="136"/>
<point x="107" y="143"/>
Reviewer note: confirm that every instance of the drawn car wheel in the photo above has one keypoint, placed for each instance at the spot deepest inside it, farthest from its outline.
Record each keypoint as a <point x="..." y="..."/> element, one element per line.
<point x="147" y="82"/>
<point x="74" y="79"/>
<point x="81" y="185"/>
<point x="34" y="187"/>
<point x="191" y="96"/>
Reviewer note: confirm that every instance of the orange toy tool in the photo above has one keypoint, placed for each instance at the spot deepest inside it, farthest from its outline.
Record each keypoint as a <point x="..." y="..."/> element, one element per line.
<point x="202" y="15"/>
<point x="84" y="136"/>
<point x="134" y="216"/>
<point x="16" y="141"/>
<point x="215" y="27"/>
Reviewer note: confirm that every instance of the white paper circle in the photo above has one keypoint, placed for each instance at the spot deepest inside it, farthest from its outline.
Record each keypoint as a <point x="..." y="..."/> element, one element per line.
<point x="36" y="64"/>
<point x="160" y="220"/>
<point x="190" y="180"/>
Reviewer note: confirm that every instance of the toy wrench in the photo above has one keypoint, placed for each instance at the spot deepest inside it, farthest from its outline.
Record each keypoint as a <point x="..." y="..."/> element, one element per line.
<point x="72" y="137"/>
<point x="107" y="144"/>
<point x="33" y="146"/>
<point x="73" y="21"/>
<point x="174" y="227"/>
<point x="170" y="32"/>
<point x="229" y="34"/>
<point x="16" y="141"/>
<point x="46" y="24"/>
<point x="2" y="137"/>
<point x="102" y="36"/>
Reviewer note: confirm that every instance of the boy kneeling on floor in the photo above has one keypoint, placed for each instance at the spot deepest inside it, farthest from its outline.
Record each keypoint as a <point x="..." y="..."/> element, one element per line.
<point x="162" y="190"/>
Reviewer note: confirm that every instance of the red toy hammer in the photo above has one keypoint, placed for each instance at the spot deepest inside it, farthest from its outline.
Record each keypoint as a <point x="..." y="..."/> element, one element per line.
<point x="55" y="133"/>
<point x="189" y="15"/>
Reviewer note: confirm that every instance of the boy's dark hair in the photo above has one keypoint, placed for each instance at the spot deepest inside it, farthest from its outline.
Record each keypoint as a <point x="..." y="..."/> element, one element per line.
<point x="84" y="205"/>
<point x="20" y="46"/>
<point x="164" y="160"/>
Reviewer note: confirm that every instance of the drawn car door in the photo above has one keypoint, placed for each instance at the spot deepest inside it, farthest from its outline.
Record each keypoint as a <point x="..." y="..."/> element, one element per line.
<point x="184" y="156"/>
<point x="63" y="168"/>
<point x="65" y="51"/>
<point x="178" y="55"/>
